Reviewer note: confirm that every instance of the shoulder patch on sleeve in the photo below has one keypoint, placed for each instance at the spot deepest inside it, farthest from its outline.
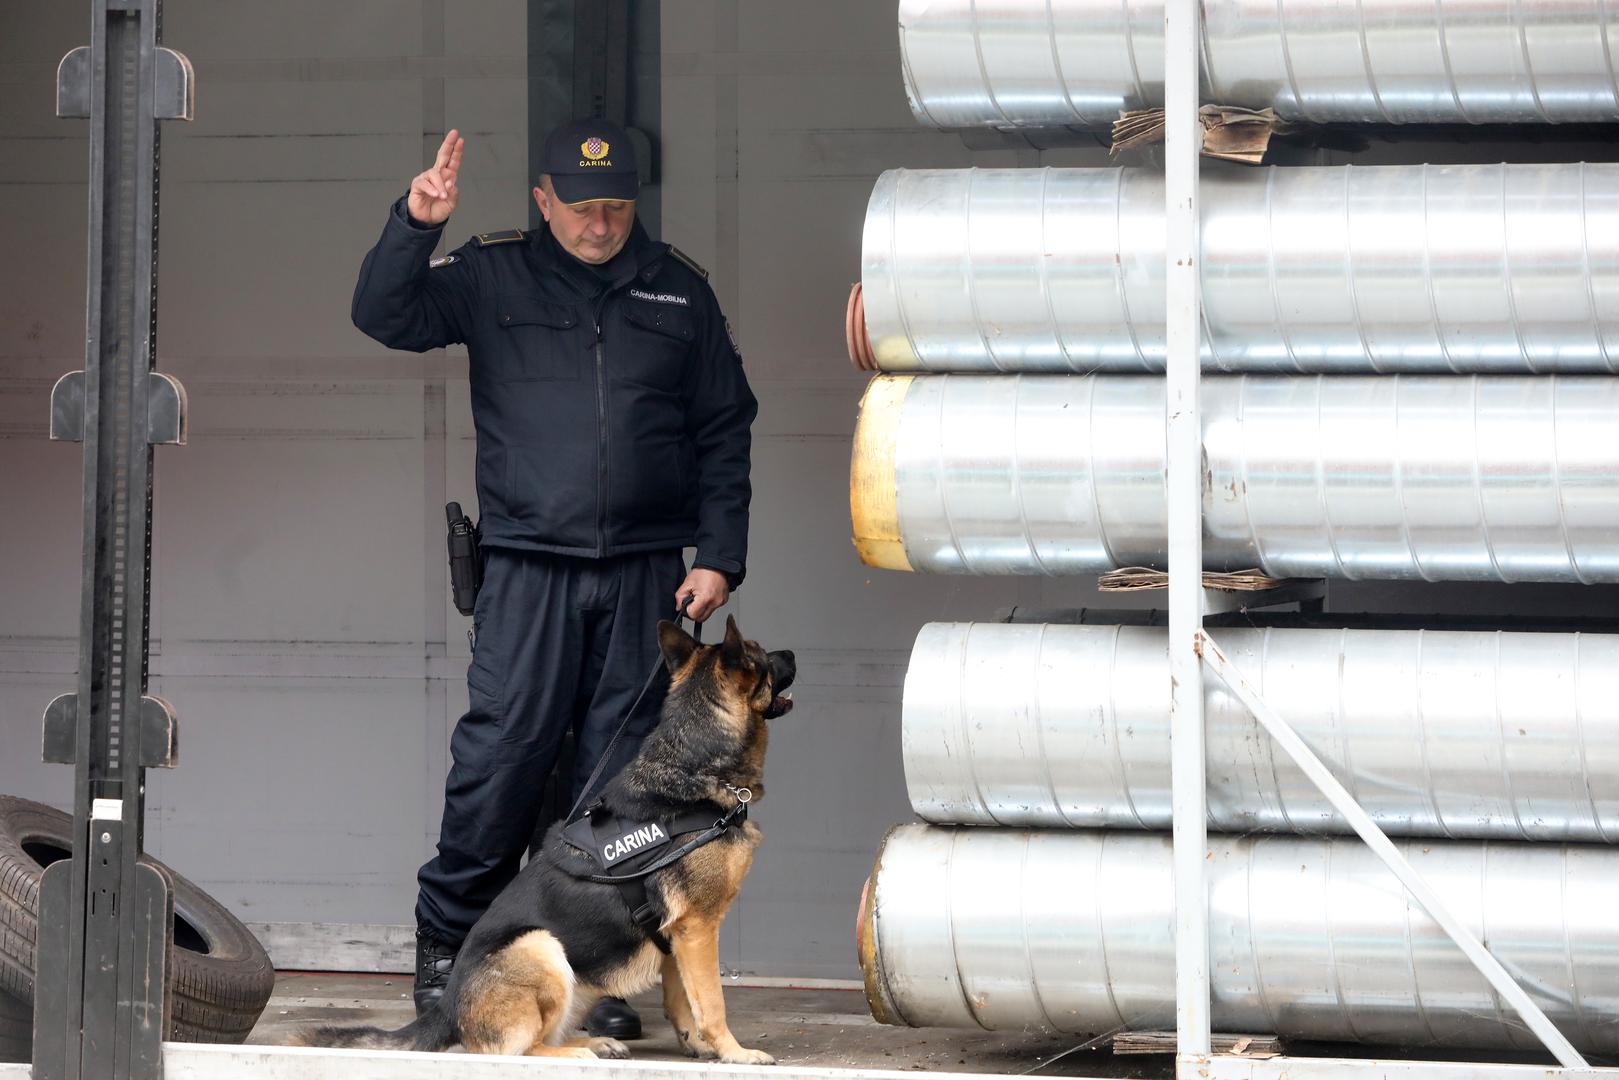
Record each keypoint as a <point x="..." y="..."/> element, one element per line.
<point x="442" y="260"/>
<point x="690" y="262"/>
<point x="504" y="236"/>
<point x="730" y="333"/>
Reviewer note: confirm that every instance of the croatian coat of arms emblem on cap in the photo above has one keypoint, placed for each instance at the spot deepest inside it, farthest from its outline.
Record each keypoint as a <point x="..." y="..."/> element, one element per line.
<point x="594" y="149"/>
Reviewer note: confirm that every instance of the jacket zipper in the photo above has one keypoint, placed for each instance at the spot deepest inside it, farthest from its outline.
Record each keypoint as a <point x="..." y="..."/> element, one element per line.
<point x="601" y="442"/>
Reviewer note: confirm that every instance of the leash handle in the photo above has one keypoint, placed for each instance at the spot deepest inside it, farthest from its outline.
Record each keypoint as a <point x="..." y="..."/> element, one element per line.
<point x="657" y="664"/>
<point x="696" y="627"/>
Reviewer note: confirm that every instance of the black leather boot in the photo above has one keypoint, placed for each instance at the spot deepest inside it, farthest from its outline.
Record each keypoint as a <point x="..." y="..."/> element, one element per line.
<point x="434" y="960"/>
<point x="612" y="1018"/>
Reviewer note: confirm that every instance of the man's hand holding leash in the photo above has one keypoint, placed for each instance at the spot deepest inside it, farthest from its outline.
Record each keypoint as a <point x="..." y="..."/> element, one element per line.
<point x="707" y="592"/>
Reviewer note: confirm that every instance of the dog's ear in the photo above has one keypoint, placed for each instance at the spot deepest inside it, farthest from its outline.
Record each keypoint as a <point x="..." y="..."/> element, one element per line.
<point x="675" y="644"/>
<point x="731" y="650"/>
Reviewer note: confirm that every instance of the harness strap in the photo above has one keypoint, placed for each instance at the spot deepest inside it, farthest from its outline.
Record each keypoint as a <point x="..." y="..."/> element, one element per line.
<point x="733" y="817"/>
<point x="642" y="911"/>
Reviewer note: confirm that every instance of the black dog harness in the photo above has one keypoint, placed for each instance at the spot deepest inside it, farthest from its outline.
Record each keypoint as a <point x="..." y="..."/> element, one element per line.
<point x="629" y="852"/>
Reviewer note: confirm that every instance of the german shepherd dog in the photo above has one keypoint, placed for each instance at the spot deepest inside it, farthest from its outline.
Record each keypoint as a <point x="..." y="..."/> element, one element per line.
<point x="553" y="942"/>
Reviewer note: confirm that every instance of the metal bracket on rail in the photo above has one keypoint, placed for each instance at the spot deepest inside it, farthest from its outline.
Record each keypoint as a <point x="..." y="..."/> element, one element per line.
<point x="101" y="997"/>
<point x="167" y="417"/>
<point x="1242" y="590"/>
<point x="1308" y="593"/>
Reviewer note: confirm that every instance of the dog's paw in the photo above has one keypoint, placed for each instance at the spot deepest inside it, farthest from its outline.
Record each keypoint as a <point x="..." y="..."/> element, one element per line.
<point x="697" y="1048"/>
<point x="744" y="1056"/>
<point x="583" y="1052"/>
<point x="692" y="1044"/>
<point x="609" y="1048"/>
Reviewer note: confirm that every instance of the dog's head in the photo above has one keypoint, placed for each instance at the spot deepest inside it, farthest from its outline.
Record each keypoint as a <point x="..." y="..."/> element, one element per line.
<point x="735" y="670"/>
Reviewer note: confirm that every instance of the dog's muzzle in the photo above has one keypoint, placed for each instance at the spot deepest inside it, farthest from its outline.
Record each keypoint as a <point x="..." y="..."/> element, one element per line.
<point x="783" y="669"/>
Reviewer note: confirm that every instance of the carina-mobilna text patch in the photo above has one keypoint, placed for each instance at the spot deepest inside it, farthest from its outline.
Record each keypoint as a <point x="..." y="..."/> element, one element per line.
<point x="661" y="297"/>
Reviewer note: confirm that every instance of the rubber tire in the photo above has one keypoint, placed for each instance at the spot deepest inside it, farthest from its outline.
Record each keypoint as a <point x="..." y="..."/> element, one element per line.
<point x="16" y="1030"/>
<point x="221" y="977"/>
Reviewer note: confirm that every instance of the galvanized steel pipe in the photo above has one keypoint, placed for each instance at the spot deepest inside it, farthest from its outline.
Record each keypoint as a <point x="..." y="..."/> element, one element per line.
<point x="1458" y="478"/>
<point x="1035" y="64"/>
<point x="1310" y="937"/>
<point x="1460" y="734"/>
<point x="1408" y="268"/>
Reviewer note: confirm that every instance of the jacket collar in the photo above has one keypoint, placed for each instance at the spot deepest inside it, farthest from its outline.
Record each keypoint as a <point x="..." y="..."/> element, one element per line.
<point x="640" y="258"/>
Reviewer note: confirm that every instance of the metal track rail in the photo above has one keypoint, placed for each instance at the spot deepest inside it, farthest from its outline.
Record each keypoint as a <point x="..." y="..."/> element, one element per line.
<point x="101" y="1003"/>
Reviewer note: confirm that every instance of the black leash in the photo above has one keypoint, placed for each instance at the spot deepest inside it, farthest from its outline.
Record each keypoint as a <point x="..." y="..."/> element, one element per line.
<point x="652" y="676"/>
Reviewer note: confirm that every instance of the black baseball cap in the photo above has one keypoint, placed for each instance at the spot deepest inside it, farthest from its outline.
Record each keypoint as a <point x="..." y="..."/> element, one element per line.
<point x="591" y="161"/>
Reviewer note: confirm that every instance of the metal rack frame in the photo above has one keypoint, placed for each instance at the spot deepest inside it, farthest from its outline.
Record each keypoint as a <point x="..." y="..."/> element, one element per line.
<point x="1192" y="650"/>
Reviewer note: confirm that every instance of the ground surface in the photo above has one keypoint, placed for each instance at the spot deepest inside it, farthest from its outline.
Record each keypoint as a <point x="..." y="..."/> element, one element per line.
<point x="802" y="1027"/>
<point x="815" y="1028"/>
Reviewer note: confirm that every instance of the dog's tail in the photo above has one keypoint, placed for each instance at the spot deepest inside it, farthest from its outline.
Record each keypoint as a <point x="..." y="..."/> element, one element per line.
<point x="432" y="1031"/>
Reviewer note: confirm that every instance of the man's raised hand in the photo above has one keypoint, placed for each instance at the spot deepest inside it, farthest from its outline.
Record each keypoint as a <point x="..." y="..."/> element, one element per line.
<point x="435" y="191"/>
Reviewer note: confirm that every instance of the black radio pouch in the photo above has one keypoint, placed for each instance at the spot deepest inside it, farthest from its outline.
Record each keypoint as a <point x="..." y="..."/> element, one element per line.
<point x="466" y="558"/>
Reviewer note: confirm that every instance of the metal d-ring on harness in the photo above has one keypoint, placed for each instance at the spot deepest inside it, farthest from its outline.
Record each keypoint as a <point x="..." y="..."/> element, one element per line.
<point x="631" y="884"/>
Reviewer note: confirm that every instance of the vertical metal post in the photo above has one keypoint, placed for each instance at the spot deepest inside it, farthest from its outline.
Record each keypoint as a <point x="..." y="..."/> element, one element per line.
<point x="101" y="1002"/>
<point x="1182" y="147"/>
<point x="597" y="58"/>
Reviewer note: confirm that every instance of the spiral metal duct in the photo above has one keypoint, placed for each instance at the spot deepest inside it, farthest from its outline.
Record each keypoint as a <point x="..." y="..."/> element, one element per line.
<point x="1408" y="268"/>
<point x="1031" y="63"/>
<point x="1310" y="937"/>
<point x="1436" y="733"/>
<point x="1443" y="478"/>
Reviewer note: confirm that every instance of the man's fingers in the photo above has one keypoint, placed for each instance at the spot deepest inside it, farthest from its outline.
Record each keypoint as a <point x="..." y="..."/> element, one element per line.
<point x="427" y="185"/>
<point x="452" y="171"/>
<point x="454" y="164"/>
<point x="702" y="605"/>
<point x="446" y="148"/>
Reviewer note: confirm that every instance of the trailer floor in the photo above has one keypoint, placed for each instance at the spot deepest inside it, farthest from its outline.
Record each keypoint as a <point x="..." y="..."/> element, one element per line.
<point x="823" y="1028"/>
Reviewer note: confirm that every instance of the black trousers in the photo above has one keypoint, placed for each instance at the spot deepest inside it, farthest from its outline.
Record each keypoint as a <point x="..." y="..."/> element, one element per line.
<point x="560" y="643"/>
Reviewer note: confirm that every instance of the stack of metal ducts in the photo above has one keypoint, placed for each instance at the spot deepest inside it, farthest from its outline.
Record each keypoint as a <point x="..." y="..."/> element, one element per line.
<point x="1412" y="378"/>
<point x="1467" y="744"/>
<point x="1504" y="272"/>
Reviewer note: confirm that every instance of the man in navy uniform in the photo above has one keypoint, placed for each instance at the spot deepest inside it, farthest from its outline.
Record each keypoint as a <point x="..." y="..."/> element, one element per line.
<point x="613" y="422"/>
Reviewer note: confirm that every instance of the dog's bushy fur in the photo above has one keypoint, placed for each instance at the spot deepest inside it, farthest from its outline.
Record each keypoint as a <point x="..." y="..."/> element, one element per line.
<point x="552" y="942"/>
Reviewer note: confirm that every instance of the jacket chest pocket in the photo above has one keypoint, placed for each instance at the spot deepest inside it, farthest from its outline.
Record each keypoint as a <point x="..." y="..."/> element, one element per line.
<point x="536" y="340"/>
<point x="657" y="340"/>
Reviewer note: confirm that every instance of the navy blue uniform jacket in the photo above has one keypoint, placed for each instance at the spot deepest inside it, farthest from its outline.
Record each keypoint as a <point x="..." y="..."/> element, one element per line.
<point x="612" y="416"/>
